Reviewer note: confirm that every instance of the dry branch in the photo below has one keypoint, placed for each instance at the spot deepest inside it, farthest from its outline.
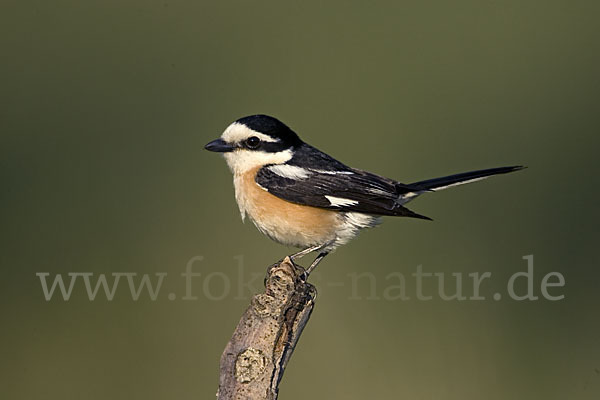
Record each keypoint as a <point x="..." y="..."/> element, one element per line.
<point x="254" y="360"/>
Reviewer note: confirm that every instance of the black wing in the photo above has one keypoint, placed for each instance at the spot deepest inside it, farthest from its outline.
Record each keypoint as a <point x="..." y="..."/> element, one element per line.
<point x="343" y="189"/>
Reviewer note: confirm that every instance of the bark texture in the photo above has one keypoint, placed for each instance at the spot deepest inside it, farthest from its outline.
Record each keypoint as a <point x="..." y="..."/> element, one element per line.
<point x="254" y="360"/>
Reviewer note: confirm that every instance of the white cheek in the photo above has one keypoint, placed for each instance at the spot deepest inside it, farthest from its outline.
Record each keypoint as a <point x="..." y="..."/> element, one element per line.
<point x="243" y="160"/>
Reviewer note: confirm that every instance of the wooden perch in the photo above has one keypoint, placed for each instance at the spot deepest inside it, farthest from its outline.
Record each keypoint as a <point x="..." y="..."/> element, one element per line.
<point x="253" y="361"/>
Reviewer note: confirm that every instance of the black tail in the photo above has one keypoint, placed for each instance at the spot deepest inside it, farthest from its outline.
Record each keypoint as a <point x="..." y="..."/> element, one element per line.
<point x="459" y="179"/>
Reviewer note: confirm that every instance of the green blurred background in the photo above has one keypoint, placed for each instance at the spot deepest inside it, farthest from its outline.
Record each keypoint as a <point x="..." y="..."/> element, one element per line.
<point x="106" y="106"/>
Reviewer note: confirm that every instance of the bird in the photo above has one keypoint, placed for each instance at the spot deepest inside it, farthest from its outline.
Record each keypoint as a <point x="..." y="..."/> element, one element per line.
<point x="299" y="196"/>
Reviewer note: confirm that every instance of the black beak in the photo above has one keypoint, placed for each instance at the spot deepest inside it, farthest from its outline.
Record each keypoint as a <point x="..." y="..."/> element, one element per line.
<point x="219" y="146"/>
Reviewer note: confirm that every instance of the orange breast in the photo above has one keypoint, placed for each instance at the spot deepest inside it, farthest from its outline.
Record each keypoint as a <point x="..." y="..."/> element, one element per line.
<point x="285" y="222"/>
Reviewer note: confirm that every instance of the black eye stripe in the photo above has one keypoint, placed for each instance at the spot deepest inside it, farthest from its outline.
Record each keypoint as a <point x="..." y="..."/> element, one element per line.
<point x="252" y="142"/>
<point x="264" y="146"/>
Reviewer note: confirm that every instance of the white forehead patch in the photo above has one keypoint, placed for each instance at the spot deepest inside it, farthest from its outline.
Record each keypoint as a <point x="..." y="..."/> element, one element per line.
<point x="290" y="171"/>
<point x="237" y="132"/>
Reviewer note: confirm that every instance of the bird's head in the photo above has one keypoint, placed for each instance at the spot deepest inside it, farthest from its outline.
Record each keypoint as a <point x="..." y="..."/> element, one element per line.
<point x="255" y="141"/>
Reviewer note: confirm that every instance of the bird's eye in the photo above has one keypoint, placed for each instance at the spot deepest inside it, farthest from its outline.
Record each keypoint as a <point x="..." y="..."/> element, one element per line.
<point x="252" y="142"/>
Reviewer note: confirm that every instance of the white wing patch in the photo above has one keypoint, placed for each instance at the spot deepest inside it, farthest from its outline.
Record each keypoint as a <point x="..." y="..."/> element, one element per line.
<point x="377" y="191"/>
<point x="261" y="186"/>
<point x="406" y="197"/>
<point x="290" y="171"/>
<point x="340" y="202"/>
<point x="320" y="171"/>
